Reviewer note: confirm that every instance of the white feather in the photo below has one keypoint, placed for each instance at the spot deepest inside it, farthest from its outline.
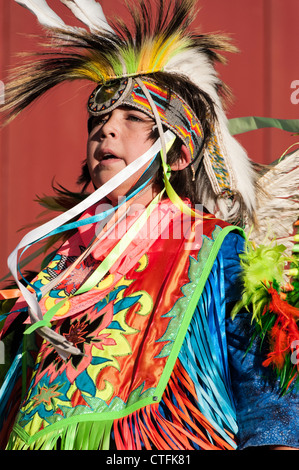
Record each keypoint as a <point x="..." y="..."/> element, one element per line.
<point x="241" y="167"/>
<point x="45" y="15"/>
<point x="90" y="13"/>
<point x="278" y="206"/>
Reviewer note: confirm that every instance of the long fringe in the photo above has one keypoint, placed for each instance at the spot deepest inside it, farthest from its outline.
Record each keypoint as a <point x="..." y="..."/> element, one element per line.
<point x="185" y="427"/>
<point x="192" y="414"/>
<point x="182" y="427"/>
<point x="93" y="435"/>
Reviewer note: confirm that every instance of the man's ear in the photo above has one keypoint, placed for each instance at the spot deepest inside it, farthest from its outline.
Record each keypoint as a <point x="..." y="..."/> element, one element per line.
<point x="183" y="161"/>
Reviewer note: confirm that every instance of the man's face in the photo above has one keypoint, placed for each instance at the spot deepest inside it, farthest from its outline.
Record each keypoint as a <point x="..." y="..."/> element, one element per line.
<point x="116" y="140"/>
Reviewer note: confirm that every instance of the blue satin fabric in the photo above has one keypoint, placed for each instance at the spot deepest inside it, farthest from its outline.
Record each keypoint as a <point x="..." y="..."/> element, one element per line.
<point x="11" y="378"/>
<point x="204" y="355"/>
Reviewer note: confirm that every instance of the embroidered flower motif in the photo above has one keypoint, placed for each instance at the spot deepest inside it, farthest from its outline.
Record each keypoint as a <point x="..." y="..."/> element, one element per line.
<point x="75" y="278"/>
<point x="84" y="333"/>
<point x="101" y="334"/>
<point x="46" y="395"/>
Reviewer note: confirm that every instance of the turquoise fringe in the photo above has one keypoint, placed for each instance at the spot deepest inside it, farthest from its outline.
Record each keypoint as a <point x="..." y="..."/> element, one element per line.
<point x="204" y="356"/>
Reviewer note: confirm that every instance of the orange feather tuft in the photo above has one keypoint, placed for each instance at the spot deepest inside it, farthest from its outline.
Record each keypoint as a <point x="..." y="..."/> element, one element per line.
<point x="285" y="332"/>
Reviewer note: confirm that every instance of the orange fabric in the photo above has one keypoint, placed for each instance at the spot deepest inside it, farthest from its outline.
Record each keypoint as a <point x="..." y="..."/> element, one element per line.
<point x="162" y="434"/>
<point x="144" y="297"/>
<point x="6" y="294"/>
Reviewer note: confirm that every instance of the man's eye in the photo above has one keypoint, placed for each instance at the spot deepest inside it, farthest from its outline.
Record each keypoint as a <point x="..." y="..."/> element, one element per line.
<point x="101" y="119"/>
<point x="95" y="121"/>
<point x="134" y="118"/>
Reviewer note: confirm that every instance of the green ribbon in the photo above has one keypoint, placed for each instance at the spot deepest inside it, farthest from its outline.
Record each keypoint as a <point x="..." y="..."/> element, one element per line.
<point x="103" y="268"/>
<point x="252" y="123"/>
<point x="173" y="196"/>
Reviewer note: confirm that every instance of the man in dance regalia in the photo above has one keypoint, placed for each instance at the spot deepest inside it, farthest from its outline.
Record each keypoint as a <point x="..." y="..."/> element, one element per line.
<point x="134" y="332"/>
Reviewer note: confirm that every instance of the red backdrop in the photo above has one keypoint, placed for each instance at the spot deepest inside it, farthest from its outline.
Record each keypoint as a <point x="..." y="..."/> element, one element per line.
<point x="48" y="140"/>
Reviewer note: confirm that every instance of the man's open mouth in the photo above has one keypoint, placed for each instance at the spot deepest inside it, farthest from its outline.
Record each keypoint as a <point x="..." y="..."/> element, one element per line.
<point x="109" y="156"/>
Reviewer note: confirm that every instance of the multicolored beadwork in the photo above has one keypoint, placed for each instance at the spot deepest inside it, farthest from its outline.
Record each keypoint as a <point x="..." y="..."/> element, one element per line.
<point x="174" y="113"/>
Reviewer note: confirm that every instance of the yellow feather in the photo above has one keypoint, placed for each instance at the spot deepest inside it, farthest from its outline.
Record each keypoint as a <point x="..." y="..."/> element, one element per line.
<point x="93" y="71"/>
<point x="155" y="54"/>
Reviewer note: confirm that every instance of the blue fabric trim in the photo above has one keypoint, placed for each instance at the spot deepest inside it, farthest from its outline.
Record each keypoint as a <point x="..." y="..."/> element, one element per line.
<point x="230" y="250"/>
<point x="264" y="417"/>
<point x="204" y="356"/>
<point x="14" y="372"/>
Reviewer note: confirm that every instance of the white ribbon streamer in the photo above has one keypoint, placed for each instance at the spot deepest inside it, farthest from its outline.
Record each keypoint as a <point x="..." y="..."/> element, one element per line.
<point x="42" y="231"/>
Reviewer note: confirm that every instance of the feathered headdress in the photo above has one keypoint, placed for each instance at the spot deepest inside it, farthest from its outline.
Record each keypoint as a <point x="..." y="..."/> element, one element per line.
<point x="158" y="41"/>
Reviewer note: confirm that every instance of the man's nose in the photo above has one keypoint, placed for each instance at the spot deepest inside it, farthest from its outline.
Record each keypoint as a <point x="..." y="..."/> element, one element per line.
<point x="109" y="127"/>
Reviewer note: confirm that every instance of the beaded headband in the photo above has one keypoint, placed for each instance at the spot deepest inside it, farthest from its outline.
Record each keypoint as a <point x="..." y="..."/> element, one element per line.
<point x="174" y="113"/>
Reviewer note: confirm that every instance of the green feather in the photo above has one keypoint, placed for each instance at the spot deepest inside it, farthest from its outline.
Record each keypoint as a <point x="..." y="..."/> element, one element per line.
<point x="262" y="266"/>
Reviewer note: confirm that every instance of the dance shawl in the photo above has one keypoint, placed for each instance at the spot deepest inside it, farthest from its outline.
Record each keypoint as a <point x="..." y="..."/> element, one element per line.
<point x="153" y="370"/>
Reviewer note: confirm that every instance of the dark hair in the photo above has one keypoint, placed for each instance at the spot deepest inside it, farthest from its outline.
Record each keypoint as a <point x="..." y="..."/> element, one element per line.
<point x="203" y="107"/>
<point x="183" y="181"/>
